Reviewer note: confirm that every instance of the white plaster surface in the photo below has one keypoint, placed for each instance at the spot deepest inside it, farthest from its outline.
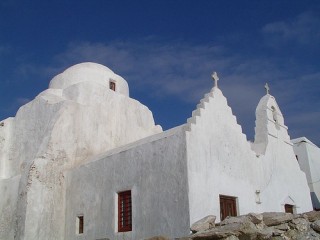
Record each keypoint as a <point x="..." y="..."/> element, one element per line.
<point x="8" y="193"/>
<point x="77" y="144"/>
<point x="154" y="170"/>
<point x="6" y="163"/>
<point x="309" y="160"/>
<point x="58" y="130"/>
<point x="221" y="161"/>
<point x="89" y="72"/>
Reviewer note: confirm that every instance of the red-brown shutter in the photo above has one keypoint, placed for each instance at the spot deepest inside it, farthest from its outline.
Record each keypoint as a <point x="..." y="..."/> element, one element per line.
<point x="124" y="211"/>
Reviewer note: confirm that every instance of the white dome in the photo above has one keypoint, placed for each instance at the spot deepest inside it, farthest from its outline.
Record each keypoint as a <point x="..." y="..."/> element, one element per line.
<point x="89" y="72"/>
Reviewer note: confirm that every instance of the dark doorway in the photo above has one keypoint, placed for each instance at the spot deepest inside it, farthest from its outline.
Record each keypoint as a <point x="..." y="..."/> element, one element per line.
<point x="228" y="206"/>
<point x="288" y="208"/>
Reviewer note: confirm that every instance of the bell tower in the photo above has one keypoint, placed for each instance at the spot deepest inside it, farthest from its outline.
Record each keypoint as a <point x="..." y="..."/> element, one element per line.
<point x="269" y="123"/>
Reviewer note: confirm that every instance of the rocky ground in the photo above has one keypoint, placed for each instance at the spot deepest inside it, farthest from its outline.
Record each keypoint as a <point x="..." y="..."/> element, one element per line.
<point x="265" y="226"/>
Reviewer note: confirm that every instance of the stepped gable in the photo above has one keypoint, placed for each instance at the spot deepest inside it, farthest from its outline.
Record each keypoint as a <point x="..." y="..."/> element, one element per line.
<point x="215" y="96"/>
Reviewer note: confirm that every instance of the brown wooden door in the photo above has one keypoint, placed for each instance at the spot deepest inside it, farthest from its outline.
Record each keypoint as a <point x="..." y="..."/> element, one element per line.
<point x="228" y="207"/>
<point x="288" y="208"/>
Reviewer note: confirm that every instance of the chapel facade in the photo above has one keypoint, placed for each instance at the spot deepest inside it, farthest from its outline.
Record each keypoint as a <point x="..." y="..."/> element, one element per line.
<point x="83" y="160"/>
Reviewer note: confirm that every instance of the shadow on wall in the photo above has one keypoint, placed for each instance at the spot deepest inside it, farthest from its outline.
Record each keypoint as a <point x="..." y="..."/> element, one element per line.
<point x="315" y="201"/>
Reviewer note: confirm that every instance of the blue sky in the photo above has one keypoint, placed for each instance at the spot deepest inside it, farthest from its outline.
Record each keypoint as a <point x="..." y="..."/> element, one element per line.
<point x="167" y="50"/>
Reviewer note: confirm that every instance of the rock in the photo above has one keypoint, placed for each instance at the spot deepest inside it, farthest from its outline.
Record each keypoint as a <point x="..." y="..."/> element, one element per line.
<point x="291" y="234"/>
<point x="313" y="215"/>
<point x="277" y="232"/>
<point x="255" y="218"/>
<point x="283" y="227"/>
<point x="212" y="234"/>
<point x="266" y="226"/>
<point x="278" y="238"/>
<point x="300" y="224"/>
<point x="252" y="217"/>
<point x="158" y="238"/>
<point x="316" y="226"/>
<point x="265" y="233"/>
<point x="244" y="229"/>
<point x="203" y="224"/>
<point x="294" y="234"/>
<point x="276" y="218"/>
<point x="249" y="230"/>
<point x="269" y="233"/>
<point x="232" y="237"/>
<point x="231" y="227"/>
<point x="230" y="220"/>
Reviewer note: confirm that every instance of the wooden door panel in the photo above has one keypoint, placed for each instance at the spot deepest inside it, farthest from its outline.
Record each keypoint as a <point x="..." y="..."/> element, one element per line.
<point x="227" y="206"/>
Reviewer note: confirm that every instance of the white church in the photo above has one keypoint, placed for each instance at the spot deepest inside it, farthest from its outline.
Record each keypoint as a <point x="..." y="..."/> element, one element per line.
<point x="83" y="160"/>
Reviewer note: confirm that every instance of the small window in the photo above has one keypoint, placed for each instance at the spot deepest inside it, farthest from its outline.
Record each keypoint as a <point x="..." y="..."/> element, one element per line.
<point x="228" y="206"/>
<point x="124" y="211"/>
<point x="79" y="225"/>
<point x="288" y="208"/>
<point x="274" y="114"/>
<point x="112" y="85"/>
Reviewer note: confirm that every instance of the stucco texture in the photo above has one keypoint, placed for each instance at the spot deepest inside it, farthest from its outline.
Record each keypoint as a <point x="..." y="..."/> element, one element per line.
<point x="154" y="170"/>
<point x="58" y="130"/>
<point x="222" y="162"/>
<point x="72" y="149"/>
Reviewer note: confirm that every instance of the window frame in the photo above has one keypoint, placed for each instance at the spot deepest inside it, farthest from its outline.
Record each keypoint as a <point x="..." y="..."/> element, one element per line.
<point x="80" y="224"/>
<point x="124" y="211"/>
<point x="112" y="85"/>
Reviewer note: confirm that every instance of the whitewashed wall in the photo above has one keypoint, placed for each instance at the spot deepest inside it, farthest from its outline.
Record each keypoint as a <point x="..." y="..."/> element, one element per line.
<point x="154" y="169"/>
<point x="309" y="160"/>
<point x="66" y="153"/>
<point x="8" y="200"/>
<point x="221" y="161"/>
<point x="58" y="130"/>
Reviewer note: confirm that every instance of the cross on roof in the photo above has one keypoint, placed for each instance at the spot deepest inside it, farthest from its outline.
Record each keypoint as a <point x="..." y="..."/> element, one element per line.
<point x="267" y="88"/>
<point x="215" y="78"/>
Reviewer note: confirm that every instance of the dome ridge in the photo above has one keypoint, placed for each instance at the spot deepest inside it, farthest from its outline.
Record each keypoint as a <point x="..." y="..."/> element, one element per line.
<point x="89" y="72"/>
